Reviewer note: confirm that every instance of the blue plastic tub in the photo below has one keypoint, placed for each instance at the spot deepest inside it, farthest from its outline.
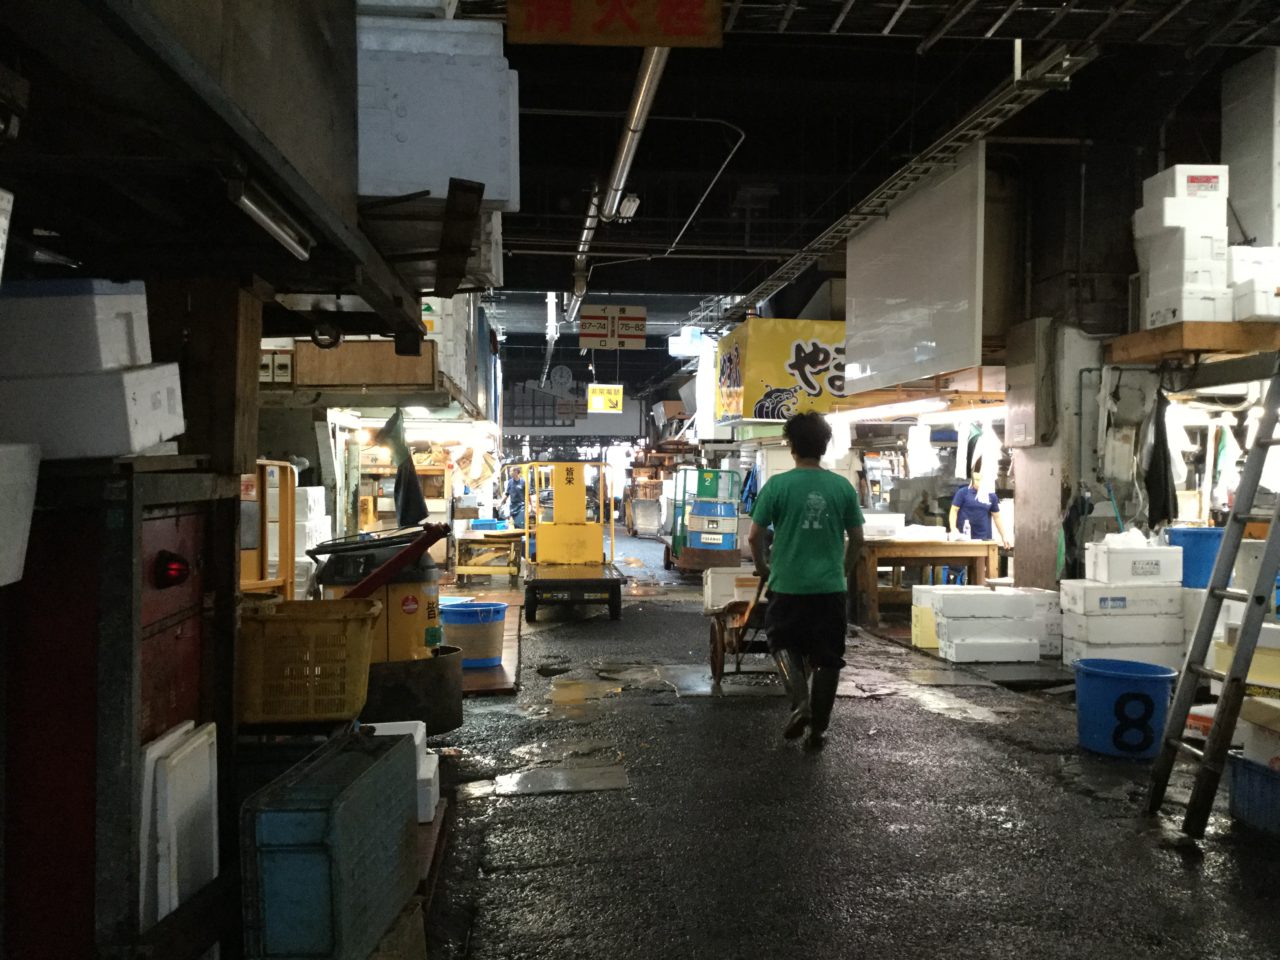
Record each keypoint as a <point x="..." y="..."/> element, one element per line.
<point x="1121" y="706"/>
<point x="1199" y="552"/>
<point x="488" y="524"/>
<point x="477" y="628"/>
<point x="454" y="601"/>
<point x="714" y="508"/>
<point x="1255" y="794"/>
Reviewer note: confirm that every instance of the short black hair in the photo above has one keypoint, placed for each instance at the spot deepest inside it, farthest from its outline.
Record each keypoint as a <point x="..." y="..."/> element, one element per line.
<point x="808" y="433"/>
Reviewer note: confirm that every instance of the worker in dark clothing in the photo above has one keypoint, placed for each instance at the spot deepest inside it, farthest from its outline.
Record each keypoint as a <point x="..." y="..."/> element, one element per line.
<point x="976" y="511"/>
<point x="812" y="512"/>
<point x="513" y="499"/>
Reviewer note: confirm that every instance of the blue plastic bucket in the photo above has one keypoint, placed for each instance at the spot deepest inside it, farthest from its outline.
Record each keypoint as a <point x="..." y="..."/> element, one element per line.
<point x="476" y="628"/>
<point x="1199" y="552"/>
<point x="1121" y="706"/>
<point x="1255" y="794"/>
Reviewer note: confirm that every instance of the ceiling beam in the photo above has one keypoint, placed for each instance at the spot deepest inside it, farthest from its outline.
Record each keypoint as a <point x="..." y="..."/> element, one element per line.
<point x="1223" y="28"/>
<point x="893" y="21"/>
<point x="1056" y="19"/>
<point x="957" y="12"/>
<point x="1116" y="13"/>
<point x="787" y="15"/>
<point x="840" y="17"/>
<point x="1008" y="12"/>
<point x="730" y="20"/>
<point x="1260" y="31"/>
<point x="1169" y="14"/>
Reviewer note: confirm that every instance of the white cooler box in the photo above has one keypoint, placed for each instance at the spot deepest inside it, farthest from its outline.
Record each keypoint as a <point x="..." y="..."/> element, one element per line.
<point x="1260" y="730"/>
<point x="988" y="650"/>
<point x="308" y="503"/>
<point x="428" y="764"/>
<point x="1257" y="299"/>
<point x="55" y="327"/>
<point x="1003" y="602"/>
<point x="115" y="413"/>
<point x="952" y="629"/>
<point x="1124" y="564"/>
<point x="1164" y="655"/>
<point x="1123" y="631"/>
<point x="722" y="585"/>
<point x="1091" y="598"/>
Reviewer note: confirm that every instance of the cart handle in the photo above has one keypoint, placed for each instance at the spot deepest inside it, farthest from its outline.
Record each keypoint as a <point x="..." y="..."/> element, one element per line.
<point x="379" y="578"/>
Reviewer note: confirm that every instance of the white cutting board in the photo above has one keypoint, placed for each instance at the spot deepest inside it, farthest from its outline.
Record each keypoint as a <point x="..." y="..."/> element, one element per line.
<point x="186" y="819"/>
<point x="151" y="753"/>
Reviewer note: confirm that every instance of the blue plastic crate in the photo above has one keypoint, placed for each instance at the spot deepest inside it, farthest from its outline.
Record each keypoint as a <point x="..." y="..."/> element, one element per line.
<point x="1255" y="794"/>
<point x="330" y="851"/>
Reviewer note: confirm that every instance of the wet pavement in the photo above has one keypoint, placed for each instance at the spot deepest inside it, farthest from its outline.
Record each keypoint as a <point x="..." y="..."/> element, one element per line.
<point x="601" y="814"/>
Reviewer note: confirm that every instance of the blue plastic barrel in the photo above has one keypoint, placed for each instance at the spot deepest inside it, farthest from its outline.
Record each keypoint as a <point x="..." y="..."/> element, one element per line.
<point x="1121" y="706"/>
<point x="477" y="628"/>
<point x="1199" y="552"/>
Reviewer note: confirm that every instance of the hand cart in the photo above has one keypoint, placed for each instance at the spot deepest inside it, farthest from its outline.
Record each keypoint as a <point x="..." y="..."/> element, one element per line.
<point x="730" y="627"/>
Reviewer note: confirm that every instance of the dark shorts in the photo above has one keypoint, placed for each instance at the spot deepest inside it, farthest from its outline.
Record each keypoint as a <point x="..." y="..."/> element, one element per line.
<point x="810" y="624"/>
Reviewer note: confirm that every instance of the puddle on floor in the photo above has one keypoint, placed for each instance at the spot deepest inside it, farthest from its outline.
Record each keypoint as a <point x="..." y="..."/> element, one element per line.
<point x="949" y="705"/>
<point x="546" y="780"/>
<point x="631" y="562"/>
<point x="568" y="692"/>
<point x="1103" y="778"/>
<point x="568" y="752"/>
<point x="643" y="676"/>
<point x="946" y="678"/>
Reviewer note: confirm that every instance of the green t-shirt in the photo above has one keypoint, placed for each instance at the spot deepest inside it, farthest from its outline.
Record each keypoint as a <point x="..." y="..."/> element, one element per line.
<point x="810" y="510"/>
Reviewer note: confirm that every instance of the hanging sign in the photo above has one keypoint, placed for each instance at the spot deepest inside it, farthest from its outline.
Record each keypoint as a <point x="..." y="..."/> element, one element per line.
<point x="611" y="328"/>
<point x="616" y="23"/>
<point x="770" y="369"/>
<point x="604" y="398"/>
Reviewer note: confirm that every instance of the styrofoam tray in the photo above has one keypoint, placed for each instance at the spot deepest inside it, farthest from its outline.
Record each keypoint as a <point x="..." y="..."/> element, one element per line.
<point x="186" y="819"/>
<point x="151" y="753"/>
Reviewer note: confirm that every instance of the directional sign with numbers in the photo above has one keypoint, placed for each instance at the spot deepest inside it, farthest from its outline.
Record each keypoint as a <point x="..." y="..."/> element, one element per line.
<point x="611" y="328"/>
<point x="604" y="398"/>
<point x="616" y="23"/>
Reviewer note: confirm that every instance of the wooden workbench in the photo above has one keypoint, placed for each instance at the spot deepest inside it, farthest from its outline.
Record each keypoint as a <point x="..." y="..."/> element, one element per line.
<point x="981" y="557"/>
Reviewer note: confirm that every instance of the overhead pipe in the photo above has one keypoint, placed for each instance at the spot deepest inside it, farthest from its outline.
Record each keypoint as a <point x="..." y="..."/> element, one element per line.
<point x="605" y="204"/>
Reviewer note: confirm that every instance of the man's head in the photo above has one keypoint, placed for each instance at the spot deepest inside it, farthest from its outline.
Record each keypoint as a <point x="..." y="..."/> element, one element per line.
<point x="808" y="434"/>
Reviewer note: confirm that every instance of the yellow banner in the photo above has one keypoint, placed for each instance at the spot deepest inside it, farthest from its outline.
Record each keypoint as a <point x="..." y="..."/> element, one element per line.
<point x="772" y="369"/>
<point x="604" y="398"/>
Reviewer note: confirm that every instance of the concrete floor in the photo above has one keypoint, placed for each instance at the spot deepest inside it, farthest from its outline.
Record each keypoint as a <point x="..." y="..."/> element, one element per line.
<point x="940" y="821"/>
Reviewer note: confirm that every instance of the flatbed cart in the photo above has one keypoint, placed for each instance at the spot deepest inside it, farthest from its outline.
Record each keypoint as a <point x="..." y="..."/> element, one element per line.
<point x="565" y="559"/>
<point x="694" y="543"/>
<point x="735" y="632"/>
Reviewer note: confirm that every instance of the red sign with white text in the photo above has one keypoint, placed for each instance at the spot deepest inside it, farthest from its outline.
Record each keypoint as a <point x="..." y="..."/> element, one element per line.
<point x="616" y="23"/>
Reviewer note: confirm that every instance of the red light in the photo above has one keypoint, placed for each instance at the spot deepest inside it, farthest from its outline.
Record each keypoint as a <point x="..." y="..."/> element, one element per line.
<point x="171" y="569"/>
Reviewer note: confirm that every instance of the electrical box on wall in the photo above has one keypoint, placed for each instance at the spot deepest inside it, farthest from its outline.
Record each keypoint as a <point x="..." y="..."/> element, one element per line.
<point x="1029" y="384"/>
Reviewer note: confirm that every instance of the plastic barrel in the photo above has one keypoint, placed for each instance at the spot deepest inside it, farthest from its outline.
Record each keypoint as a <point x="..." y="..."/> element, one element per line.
<point x="1121" y="706"/>
<point x="1199" y="552"/>
<point x="477" y="629"/>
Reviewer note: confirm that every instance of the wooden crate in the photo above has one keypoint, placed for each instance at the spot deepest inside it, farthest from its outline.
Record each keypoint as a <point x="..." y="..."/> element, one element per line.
<point x="357" y="363"/>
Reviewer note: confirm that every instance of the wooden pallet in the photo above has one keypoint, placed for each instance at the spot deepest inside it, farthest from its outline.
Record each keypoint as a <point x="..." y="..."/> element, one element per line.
<point x="1188" y="341"/>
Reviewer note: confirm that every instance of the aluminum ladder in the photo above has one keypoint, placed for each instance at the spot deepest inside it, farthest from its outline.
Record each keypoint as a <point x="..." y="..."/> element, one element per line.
<point x="1258" y="603"/>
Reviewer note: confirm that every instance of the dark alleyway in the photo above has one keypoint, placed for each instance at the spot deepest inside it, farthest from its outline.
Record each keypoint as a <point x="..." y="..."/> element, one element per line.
<point x="940" y="820"/>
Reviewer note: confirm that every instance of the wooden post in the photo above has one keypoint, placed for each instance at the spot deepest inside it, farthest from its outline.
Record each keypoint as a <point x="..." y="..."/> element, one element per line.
<point x="212" y="326"/>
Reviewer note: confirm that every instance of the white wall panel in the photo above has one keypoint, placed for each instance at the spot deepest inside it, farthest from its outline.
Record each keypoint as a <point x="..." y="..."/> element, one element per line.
<point x="914" y="299"/>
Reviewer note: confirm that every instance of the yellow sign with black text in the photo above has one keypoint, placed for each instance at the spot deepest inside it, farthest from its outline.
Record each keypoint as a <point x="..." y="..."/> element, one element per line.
<point x="604" y="398"/>
<point x="770" y="369"/>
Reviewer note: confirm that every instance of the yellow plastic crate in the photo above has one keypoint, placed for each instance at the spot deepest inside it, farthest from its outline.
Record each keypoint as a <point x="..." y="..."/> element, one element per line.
<point x="305" y="661"/>
<point x="924" y="628"/>
<point x="1264" y="669"/>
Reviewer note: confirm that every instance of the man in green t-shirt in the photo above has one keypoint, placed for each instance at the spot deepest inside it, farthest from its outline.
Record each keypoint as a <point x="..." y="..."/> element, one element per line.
<point x="811" y="511"/>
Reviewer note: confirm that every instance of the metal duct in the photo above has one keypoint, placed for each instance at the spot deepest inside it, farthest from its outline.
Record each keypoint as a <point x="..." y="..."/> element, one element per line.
<point x="604" y="206"/>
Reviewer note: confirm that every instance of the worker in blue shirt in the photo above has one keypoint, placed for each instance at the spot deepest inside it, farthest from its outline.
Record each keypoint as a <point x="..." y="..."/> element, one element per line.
<point x="978" y="510"/>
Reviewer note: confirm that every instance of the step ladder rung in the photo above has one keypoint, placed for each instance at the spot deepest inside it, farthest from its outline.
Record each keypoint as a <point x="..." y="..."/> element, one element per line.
<point x="1186" y="747"/>
<point x="1267" y="442"/>
<point x="1201" y="670"/>
<point x="1252" y="517"/>
<point x="1240" y="596"/>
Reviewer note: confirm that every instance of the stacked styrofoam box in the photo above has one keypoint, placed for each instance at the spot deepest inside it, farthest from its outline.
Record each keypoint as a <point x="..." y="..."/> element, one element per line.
<point x="723" y="585"/>
<point x="1181" y="237"/>
<point x="428" y="763"/>
<point x="1125" y="563"/>
<point x="76" y="376"/>
<point x="977" y="625"/>
<point x="883" y="524"/>
<point x="1048" y="610"/>
<point x="1123" y="621"/>
<point x="924" y="623"/>
<point x="312" y="526"/>
<point x="1193" y="599"/>
<point x="1257" y="299"/>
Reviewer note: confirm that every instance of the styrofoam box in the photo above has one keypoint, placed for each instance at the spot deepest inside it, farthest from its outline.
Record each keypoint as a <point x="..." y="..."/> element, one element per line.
<point x="1048" y="603"/>
<point x="1051" y="646"/>
<point x="922" y="594"/>
<point x="883" y="524"/>
<point x="1179" y="274"/>
<point x="1180" y="213"/>
<point x="1195" y="181"/>
<point x="1257" y="300"/>
<point x="311" y="533"/>
<point x="1260" y="729"/>
<point x="1205" y="243"/>
<point x="1268" y="635"/>
<point x="1164" y="655"/>
<point x="308" y="503"/>
<point x="1193" y="599"/>
<point x="19" y="466"/>
<point x="1188" y="305"/>
<point x="1250" y="263"/>
<point x="1123" y="631"/>
<point x="111" y="414"/>
<point x="718" y="585"/>
<point x="989" y="650"/>
<point x="1005" y="603"/>
<point x="428" y="786"/>
<point x="1133" y="564"/>
<point x="56" y="327"/>
<point x="953" y="629"/>
<point x="1092" y="598"/>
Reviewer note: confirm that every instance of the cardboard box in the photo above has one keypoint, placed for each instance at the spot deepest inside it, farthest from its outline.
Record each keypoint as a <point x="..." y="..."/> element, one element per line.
<point x="1164" y="655"/>
<point x="309" y="503"/>
<point x="89" y="415"/>
<point x="58" y="327"/>
<point x="987" y="650"/>
<point x="1258" y="299"/>
<point x="953" y="629"/>
<point x="924" y="628"/>
<point x="1190" y="180"/>
<point x="1180" y="213"/>
<point x="1123" y="631"/>
<point x="665" y="410"/>
<point x="1187" y="305"/>
<point x="1260" y="733"/>
<point x="1133" y="564"/>
<point x="1091" y="598"/>
<point x="1003" y="603"/>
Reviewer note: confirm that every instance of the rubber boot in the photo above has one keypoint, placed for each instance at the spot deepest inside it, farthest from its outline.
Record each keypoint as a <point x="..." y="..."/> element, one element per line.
<point x="822" y="699"/>
<point x="791" y="669"/>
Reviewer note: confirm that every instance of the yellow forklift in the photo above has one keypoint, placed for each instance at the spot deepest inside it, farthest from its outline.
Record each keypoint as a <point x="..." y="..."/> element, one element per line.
<point x="566" y="507"/>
